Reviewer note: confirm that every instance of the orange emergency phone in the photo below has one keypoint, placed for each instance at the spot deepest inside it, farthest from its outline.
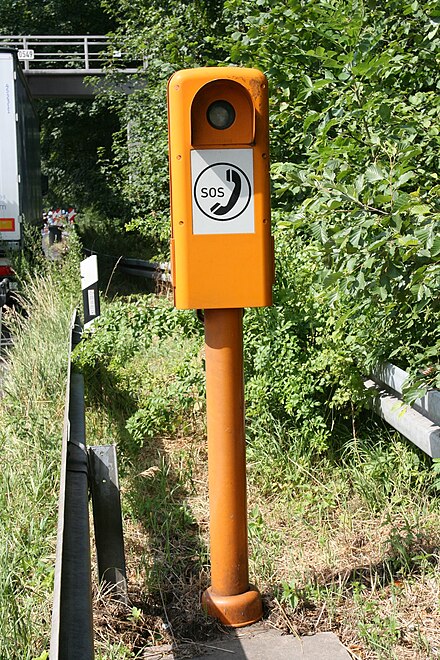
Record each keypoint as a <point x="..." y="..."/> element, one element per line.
<point x="221" y="246"/>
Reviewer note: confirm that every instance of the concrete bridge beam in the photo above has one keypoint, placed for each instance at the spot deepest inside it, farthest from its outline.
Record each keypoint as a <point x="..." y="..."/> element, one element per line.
<point x="70" y="84"/>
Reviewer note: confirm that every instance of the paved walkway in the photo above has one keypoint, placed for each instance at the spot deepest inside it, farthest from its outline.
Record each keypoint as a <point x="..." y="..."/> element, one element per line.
<point x="55" y="251"/>
<point x="258" y="642"/>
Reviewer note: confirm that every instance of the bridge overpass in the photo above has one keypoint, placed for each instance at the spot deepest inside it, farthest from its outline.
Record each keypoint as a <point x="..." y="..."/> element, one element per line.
<point x="57" y="66"/>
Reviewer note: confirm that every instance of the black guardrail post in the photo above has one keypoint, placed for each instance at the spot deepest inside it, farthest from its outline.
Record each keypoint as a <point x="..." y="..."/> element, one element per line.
<point x="107" y="520"/>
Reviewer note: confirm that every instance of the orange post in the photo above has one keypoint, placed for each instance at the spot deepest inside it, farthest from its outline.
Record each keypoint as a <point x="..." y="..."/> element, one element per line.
<point x="222" y="261"/>
<point x="231" y="598"/>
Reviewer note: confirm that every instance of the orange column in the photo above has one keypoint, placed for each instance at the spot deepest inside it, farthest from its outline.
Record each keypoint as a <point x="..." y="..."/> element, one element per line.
<point x="230" y="598"/>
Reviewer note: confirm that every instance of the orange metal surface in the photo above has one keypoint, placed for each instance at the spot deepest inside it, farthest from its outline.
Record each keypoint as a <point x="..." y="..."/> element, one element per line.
<point x="242" y="130"/>
<point x="228" y="270"/>
<point x="229" y="591"/>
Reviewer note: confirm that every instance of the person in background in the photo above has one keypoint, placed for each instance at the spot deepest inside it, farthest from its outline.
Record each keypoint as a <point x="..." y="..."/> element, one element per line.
<point x="58" y="224"/>
<point x="54" y="230"/>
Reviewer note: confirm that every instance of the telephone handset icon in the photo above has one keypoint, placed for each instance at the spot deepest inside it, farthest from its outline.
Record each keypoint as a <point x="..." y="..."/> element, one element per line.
<point x="232" y="177"/>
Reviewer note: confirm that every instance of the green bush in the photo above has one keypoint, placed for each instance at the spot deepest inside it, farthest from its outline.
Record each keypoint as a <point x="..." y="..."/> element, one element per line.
<point x="355" y="114"/>
<point x="144" y="356"/>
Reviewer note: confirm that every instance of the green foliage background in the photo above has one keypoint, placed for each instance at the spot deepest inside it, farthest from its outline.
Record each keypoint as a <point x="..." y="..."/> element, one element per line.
<point x="356" y="136"/>
<point x="354" y="115"/>
<point x="354" y="110"/>
<point x="76" y="134"/>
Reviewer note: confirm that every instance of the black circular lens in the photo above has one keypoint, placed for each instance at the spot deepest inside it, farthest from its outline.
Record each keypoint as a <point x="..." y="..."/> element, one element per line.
<point x="221" y="115"/>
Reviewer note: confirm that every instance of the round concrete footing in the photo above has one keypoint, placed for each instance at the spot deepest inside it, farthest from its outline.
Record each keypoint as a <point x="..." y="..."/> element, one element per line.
<point x="236" y="611"/>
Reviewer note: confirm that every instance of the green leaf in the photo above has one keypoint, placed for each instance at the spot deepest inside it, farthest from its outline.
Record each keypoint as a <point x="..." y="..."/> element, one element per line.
<point x="419" y="274"/>
<point x="420" y="209"/>
<point x="402" y="201"/>
<point x="383" y="293"/>
<point x="361" y="280"/>
<point x="408" y="241"/>
<point x="404" y="178"/>
<point x="359" y="183"/>
<point x="385" y="112"/>
<point x="374" y="173"/>
<point x="312" y="117"/>
<point x="320" y="84"/>
<point x="351" y="264"/>
<point x="435" y="250"/>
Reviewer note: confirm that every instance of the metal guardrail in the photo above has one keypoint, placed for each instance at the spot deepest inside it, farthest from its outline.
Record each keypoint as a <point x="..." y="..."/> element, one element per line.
<point x="87" y="53"/>
<point x="154" y="271"/>
<point x="395" y="379"/>
<point x="72" y="620"/>
<point x="159" y="271"/>
<point x="419" y="423"/>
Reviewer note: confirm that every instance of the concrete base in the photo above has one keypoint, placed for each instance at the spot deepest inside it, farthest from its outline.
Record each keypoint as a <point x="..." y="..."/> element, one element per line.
<point x="257" y="643"/>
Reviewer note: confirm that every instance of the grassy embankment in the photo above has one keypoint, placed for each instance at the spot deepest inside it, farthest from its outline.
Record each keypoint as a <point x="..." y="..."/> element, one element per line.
<point x="344" y="534"/>
<point x="31" y="422"/>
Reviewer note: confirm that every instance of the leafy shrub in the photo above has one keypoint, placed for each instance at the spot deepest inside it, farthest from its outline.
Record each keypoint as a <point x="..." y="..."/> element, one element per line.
<point x="354" y="116"/>
<point x="299" y="374"/>
<point x="146" y="354"/>
<point x="355" y="113"/>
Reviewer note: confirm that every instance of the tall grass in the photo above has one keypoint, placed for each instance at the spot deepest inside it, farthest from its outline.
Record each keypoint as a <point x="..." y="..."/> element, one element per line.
<point x="31" y="422"/>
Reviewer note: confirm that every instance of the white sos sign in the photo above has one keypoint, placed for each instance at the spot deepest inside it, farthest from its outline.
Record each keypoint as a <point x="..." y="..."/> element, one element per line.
<point x="222" y="191"/>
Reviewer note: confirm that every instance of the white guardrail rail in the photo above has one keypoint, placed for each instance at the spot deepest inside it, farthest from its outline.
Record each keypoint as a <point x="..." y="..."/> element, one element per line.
<point x="420" y="423"/>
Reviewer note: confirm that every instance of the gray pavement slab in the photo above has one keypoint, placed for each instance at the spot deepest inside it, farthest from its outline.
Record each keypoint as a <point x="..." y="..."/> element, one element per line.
<point x="257" y="642"/>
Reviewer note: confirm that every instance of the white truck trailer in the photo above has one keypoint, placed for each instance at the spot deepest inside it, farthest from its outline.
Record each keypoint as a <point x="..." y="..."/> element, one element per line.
<point x="20" y="173"/>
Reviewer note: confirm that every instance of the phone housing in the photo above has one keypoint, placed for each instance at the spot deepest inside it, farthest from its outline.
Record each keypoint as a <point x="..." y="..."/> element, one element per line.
<point x="221" y="245"/>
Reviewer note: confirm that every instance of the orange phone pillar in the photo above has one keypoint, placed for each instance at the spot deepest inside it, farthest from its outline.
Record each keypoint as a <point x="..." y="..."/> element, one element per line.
<point x="222" y="261"/>
<point x="231" y="598"/>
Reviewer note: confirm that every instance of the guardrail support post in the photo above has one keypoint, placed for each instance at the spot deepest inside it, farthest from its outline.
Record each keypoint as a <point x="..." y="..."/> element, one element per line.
<point x="231" y="598"/>
<point x="107" y="519"/>
<point x="25" y="45"/>
<point x="76" y="623"/>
